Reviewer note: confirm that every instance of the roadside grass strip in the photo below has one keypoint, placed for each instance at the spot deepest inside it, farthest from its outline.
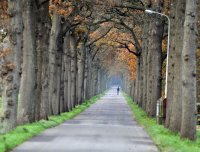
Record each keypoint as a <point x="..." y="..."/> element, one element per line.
<point x="24" y="132"/>
<point x="165" y="140"/>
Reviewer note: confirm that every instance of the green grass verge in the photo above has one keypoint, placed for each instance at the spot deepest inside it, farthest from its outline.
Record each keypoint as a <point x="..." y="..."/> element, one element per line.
<point x="25" y="132"/>
<point x="0" y="106"/>
<point x="165" y="140"/>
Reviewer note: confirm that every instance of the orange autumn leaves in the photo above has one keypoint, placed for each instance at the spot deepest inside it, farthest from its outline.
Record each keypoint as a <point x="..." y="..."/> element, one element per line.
<point x="3" y="9"/>
<point x="70" y="10"/>
<point x="130" y="60"/>
<point x="114" y="41"/>
<point x="4" y="17"/>
<point x="62" y="8"/>
<point x="110" y="41"/>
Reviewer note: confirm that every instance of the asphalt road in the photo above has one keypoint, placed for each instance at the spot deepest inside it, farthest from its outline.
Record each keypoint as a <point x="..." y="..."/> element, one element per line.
<point x="107" y="126"/>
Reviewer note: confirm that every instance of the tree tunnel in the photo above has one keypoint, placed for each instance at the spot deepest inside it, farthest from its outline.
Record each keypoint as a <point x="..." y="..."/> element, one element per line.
<point x="56" y="54"/>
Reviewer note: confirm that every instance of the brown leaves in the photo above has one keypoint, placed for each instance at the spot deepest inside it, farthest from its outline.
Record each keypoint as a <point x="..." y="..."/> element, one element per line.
<point x="81" y="30"/>
<point x="4" y="18"/>
<point x="62" y="8"/>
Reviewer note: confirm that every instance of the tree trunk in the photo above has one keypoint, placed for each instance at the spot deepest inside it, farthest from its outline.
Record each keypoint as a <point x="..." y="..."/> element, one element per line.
<point x="73" y="70"/>
<point x="28" y="82"/>
<point x="155" y="50"/>
<point x="11" y="78"/>
<point x="67" y="72"/>
<point x="188" y="126"/>
<point x="61" y="96"/>
<point x="176" y="108"/>
<point x="55" y="64"/>
<point x="89" y="76"/>
<point x="81" y="73"/>
<point x="144" y="55"/>
<point x="149" y="79"/>
<point x="137" y="82"/>
<point x="155" y="58"/>
<point x="69" y="75"/>
<point x="171" y="65"/>
<point x="42" y="40"/>
<point x="99" y="81"/>
<point x="141" y="87"/>
<point x="86" y="75"/>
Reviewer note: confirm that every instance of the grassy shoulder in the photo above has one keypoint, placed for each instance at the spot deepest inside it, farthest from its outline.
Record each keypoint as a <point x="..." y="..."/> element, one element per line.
<point x="0" y="106"/>
<point x="25" y="132"/>
<point x="162" y="137"/>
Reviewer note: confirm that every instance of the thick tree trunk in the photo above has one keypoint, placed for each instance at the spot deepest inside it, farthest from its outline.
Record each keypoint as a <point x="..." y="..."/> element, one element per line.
<point x="11" y="78"/>
<point x="141" y="87"/>
<point x="188" y="126"/>
<point x="137" y="82"/>
<point x="144" y="55"/>
<point x="42" y="40"/>
<point x="149" y="79"/>
<point x="29" y="77"/>
<point x="73" y="70"/>
<point x="55" y="64"/>
<point x="155" y="51"/>
<point x="171" y="65"/>
<point x="69" y="62"/>
<point x="81" y="73"/>
<point x="99" y="81"/>
<point x="67" y="72"/>
<point x="176" y="108"/>
<point x="61" y="96"/>
<point x="95" y="79"/>
<point x="89" y="76"/>
<point x="86" y="75"/>
<point x="154" y="57"/>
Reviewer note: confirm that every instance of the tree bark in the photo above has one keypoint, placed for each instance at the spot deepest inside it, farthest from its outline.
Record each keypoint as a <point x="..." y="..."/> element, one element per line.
<point x="73" y="69"/>
<point x="137" y="82"/>
<point x="55" y="64"/>
<point x="81" y="73"/>
<point x="144" y="55"/>
<point x="28" y="81"/>
<point x="42" y="41"/>
<point x="89" y="76"/>
<point x="171" y="65"/>
<point x="67" y="72"/>
<point x="11" y="78"/>
<point x="141" y="87"/>
<point x="61" y="95"/>
<point x="176" y="108"/>
<point x="188" y="125"/>
<point x="155" y="58"/>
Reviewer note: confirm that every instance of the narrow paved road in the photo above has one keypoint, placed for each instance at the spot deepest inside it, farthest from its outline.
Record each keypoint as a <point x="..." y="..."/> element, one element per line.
<point x="107" y="126"/>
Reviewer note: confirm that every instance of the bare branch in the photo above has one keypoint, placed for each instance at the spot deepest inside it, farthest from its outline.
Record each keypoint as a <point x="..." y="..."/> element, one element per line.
<point x="124" y="45"/>
<point x="99" y="37"/>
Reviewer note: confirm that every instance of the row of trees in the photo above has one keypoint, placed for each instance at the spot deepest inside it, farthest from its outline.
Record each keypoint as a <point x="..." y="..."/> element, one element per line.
<point x="48" y="66"/>
<point x="67" y="51"/>
<point x="181" y="84"/>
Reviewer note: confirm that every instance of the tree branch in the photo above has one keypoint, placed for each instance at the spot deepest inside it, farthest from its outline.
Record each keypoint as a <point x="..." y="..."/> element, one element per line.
<point x="95" y="53"/>
<point x="124" y="45"/>
<point x="99" y="37"/>
<point x="137" y="44"/>
<point x="133" y="7"/>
